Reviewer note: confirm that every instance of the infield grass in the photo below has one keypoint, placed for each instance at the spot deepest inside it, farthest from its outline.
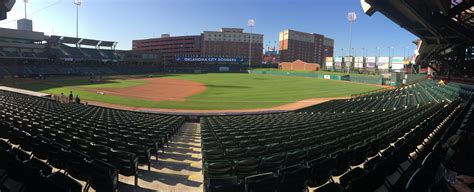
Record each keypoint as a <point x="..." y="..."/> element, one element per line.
<point x="223" y="91"/>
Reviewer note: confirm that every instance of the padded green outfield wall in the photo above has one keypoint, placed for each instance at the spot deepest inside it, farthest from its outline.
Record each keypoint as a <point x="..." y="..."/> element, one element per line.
<point x="414" y="77"/>
<point x="300" y="74"/>
<point x="372" y="79"/>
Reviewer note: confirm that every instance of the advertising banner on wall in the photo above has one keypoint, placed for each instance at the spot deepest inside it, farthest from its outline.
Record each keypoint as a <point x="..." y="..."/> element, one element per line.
<point x="397" y="63"/>
<point x="383" y="62"/>
<point x="210" y="59"/>
<point x="338" y="62"/>
<point x="359" y="62"/>
<point x="329" y="62"/>
<point x="348" y="61"/>
<point x="370" y="62"/>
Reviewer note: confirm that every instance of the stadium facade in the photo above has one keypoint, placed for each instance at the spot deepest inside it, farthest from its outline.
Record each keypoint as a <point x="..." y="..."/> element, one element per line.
<point x="311" y="48"/>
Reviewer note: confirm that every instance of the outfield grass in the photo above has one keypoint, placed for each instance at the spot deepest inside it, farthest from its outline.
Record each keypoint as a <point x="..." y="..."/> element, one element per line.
<point x="224" y="91"/>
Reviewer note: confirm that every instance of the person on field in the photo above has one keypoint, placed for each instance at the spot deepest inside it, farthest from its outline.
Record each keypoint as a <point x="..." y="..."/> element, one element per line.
<point x="62" y="98"/>
<point x="77" y="99"/>
<point x="71" y="97"/>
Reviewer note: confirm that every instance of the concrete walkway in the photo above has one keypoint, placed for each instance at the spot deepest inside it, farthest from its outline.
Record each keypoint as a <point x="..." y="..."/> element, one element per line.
<point x="178" y="169"/>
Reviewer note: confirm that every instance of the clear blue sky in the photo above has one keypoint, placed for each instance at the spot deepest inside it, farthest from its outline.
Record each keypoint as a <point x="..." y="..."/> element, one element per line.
<point x="125" y="20"/>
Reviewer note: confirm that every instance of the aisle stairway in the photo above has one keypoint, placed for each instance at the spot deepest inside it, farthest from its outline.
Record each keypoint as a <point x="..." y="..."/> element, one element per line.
<point x="177" y="170"/>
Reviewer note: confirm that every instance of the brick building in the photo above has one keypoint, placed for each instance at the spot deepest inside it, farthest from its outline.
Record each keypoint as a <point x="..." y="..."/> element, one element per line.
<point x="299" y="65"/>
<point x="170" y="47"/>
<point x="311" y="48"/>
<point x="328" y="44"/>
<point x="228" y="42"/>
<point x="232" y="42"/>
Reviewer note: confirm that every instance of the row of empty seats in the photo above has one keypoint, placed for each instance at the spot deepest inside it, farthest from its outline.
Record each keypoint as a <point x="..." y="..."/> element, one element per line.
<point x="78" y="138"/>
<point x="45" y="68"/>
<point x="422" y="93"/>
<point x="347" y="146"/>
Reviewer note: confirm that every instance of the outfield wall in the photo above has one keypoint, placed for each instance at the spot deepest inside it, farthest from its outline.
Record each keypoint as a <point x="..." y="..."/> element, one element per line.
<point x="361" y="79"/>
<point x="367" y="79"/>
<point x="297" y="74"/>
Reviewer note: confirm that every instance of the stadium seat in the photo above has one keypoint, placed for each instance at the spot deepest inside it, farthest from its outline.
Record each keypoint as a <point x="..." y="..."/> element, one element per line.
<point x="235" y="153"/>
<point x="295" y="157"/>
<point x="371" y="163"/>
<point x="342" y="159"/>
<point x="40" y="165"/>
<point x="294" y="178"/>
<point x="213" y="154"/>
<point x="246" y="167"/>
<point x="329" y="187"/>
<point x="65" y="182"/>
<point x="142" y="152"/>
<point x="255" y="151"/>
<point x="273" y="148"/>
<point x="271" y="163"/>
<point x="100" y="152"/>
<point x="320" y="170"/>
<point x="20" y="154"/>
<point x="78" y="165"/>
<point x="125" y="162"/>
<point x="40" y="147"/>
<point x="265" y="182"/>
<point x="57" y="155"/>
<point x="103" y="176"/>
<point x="228" y="184"/>
<point x="355" y="173"/>
<point x="218" y="169"/>
<point x="5" y="145"/>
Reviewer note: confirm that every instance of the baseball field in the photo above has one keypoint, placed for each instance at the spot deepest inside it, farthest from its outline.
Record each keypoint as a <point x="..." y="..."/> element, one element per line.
<point x="197" y="91"/>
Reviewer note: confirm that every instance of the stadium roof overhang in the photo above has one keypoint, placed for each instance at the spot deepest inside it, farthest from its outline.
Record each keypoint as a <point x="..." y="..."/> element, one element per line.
<point x="80" y="41"/>
<point x="442" y="25"/>
<point x="54" y="39"/>
<point x="70" y="40"/>
<point x="89" y="42"/>
<point x="107" y="44"/>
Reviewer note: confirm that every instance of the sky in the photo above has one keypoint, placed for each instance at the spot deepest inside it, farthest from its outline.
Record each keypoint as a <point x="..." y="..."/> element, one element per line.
<point x="126" y="20"/>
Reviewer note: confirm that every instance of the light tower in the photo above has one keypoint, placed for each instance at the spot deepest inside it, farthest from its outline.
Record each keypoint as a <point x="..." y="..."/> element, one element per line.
<point x="26" y="1"/>
<point x="251" y="24"/>
<point x="77" y="3"/>
<point x="351" y="17"/>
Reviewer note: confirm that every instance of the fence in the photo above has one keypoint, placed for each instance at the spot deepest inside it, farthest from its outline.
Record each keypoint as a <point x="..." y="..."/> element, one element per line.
<point x="299" y="74"/>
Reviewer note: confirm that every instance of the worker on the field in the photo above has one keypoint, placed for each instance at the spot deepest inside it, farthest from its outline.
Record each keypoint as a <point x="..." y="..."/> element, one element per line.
<point x="77" y="99"/>
<point x="62" y="98"/>
<point x="71" y="97"/>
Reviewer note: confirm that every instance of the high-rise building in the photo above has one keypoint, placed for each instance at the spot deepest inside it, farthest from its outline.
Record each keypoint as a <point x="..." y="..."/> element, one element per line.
<point x="228" y="42"/>
<point x="311" y="48"/>
<point x="328" y="44"/>
<point x="232" y="42"/>
<point x="170" y="47"/>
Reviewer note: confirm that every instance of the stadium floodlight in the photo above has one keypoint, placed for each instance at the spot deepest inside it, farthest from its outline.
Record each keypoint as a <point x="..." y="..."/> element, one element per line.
<point x="351" y="17"/>
<point x="77" y="3"/>
<point x="251" y="24"/>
